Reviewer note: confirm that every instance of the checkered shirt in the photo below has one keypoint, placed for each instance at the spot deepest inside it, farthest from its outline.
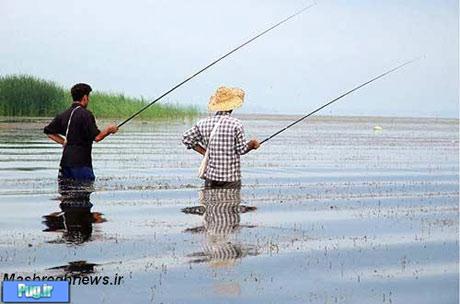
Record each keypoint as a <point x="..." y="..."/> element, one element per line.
<point x="225" y="149"/>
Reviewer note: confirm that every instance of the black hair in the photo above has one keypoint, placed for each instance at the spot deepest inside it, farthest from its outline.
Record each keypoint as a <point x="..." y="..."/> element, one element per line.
<point x="79" y="90"/>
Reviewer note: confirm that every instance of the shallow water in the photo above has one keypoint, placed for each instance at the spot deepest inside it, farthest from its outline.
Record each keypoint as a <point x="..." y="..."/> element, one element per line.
<point x="330" y="211"/>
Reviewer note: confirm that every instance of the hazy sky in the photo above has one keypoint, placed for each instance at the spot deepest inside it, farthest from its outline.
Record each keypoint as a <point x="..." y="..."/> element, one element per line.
<point x="142" y="48"/>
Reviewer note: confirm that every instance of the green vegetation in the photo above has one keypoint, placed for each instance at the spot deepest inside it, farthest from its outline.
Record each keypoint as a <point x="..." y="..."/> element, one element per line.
<point x="30" y="96"/>
<point x="23" y="95"/>
<point x="120" y="106"/>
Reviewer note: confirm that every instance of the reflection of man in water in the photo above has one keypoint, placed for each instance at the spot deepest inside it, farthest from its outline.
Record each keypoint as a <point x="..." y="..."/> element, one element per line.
<point x="221" y="210"/>
<point x="78" y="126"/>
<point x="221" y="137"/>
<point x="76" y="268"/>
<point x="75" y="219"/>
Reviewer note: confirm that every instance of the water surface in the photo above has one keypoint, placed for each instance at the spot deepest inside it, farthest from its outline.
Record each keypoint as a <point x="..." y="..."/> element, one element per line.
<point x="330" y="211"/>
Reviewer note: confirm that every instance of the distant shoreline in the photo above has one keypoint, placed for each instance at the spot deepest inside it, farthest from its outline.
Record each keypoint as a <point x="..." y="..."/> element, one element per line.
<point x="339" y="117"/>
<point x="29" y="96"/>
<point x="261" y="117"/>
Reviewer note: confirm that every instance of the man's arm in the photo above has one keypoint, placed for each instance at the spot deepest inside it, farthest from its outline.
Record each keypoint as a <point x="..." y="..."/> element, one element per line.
<point x="192" y="140"/>
<point x="199" y="148"/>
<point x="57" y="138"/>
<point x="111" y="129"/>
<point x="253" y="144"/>
<point x="243" y="146"/>
<point x="54" y="131"/>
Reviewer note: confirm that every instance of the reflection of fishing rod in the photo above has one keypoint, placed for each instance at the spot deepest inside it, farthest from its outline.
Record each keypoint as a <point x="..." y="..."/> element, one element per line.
<point x="335" y="99"/>
<point x="214" y="62"/>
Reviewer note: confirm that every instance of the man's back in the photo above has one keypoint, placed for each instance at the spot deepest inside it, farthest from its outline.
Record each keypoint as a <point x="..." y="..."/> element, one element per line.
<point x="75" y="129"/>
<point x="225" y="148"/>
<point x="222" y="148"/>
<point x="82" y="130"/>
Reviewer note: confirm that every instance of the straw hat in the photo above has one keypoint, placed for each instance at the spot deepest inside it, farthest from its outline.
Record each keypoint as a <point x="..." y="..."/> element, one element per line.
<point x="226" y="99"/>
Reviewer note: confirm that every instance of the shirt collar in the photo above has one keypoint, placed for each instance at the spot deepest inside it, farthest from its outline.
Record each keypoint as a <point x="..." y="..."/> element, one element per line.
<point x="75" y="104"/>
<point x="223" y="113"/>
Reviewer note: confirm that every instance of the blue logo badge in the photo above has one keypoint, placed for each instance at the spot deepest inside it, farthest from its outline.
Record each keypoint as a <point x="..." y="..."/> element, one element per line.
<point x="35" y="291"/>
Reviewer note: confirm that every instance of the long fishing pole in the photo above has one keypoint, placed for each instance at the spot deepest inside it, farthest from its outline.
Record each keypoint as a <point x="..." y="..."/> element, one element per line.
<point x="336" y="99"/>
<point x="214" y="62"/>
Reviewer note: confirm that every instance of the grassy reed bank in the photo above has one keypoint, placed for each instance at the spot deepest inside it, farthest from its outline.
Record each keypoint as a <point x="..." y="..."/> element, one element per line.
<point x="24" y="95"/>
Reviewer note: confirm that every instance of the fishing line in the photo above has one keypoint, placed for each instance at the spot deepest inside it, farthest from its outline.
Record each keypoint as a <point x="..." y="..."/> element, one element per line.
<point x="336" y="99"/>
<point x="216" y="61"/>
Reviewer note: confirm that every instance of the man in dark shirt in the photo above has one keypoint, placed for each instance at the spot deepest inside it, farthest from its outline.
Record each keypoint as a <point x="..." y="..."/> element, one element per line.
<point x="75" y="129"/>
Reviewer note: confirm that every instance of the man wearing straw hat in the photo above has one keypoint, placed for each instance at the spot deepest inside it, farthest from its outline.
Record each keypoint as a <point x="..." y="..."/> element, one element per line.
<point x="221" y="140"/>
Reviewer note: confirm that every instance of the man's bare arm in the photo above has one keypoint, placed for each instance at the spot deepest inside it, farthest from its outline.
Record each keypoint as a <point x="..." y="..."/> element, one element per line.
<point x="253" y="144"/>
<point x="57" y="138"/>
<point x="111" y="129"/>
<point x="200" y="149"/>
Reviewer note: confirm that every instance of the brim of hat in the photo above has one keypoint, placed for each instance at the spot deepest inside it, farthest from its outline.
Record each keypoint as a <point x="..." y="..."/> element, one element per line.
<point x="227" y="105"/>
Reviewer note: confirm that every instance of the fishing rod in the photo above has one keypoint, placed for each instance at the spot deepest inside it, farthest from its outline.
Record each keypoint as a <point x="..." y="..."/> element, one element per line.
<point x="216" y="61"/>
<point x="336" y="99"/>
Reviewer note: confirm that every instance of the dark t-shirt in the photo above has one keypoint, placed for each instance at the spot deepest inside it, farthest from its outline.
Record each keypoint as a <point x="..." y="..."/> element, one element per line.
<point x="82" y="132"/>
